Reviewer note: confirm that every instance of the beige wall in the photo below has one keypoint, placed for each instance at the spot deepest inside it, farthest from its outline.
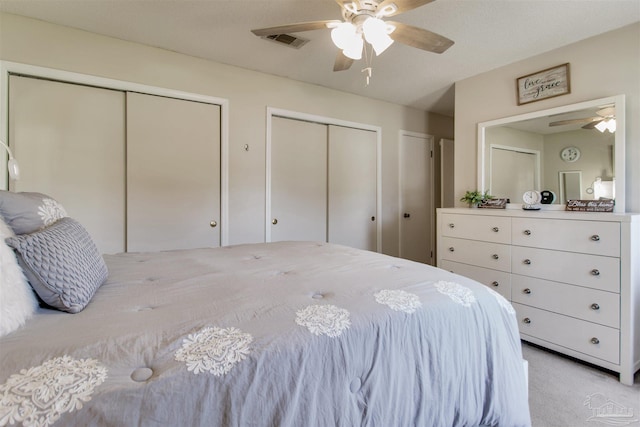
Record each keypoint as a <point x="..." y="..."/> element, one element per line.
<point x="602" y="66"/>
<point x="249" y="93"/>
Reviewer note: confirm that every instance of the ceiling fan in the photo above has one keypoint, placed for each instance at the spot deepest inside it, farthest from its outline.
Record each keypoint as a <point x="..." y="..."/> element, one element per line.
<point x="605" y="119"/>
<point x="363" y="21"/>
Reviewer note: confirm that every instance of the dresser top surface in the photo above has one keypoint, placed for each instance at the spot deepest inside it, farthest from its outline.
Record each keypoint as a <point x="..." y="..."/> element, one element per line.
<point x="546" y="214"/>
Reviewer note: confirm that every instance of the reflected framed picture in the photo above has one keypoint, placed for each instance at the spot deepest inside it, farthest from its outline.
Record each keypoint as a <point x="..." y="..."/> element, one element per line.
<point x="544" y="84"/>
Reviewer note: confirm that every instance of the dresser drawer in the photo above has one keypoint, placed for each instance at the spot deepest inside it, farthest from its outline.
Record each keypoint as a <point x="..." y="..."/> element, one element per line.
<point x="583" y="303"/>
<point x="477" y="227"/>
<point x="590" y="237"/>
<point x="592" y="271"/>
<point x="499" y="281"/>
<point x="594" y="340"/>
<point x="489" y="255"/>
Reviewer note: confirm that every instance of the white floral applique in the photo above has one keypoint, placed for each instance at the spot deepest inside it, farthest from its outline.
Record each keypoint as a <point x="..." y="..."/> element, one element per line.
<point x="398" y="300"/>
<point x="38" y="396"/>
<point x="502" y="301"/>
<point x="326" y="320"/>
<point x="51" y="211"/>
<point x="458" y="293"/>
<point x="214" y="350"/>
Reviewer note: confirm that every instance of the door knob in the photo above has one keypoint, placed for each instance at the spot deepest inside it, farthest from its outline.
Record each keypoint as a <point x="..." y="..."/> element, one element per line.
<point x="213" y="224"/>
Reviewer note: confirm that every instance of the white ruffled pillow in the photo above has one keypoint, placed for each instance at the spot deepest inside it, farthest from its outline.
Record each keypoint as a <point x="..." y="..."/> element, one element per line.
<point x="17" y="300"/>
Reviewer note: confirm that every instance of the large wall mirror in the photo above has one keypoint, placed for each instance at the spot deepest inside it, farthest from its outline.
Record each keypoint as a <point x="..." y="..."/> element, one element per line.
<point x="576" y="151"/>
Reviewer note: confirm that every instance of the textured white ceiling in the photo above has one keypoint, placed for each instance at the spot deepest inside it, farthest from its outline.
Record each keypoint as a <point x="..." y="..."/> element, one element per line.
<point x="487" y="34"/>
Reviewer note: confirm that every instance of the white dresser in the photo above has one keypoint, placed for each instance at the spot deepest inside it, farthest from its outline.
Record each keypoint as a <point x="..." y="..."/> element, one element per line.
<point x="573" y="277"/>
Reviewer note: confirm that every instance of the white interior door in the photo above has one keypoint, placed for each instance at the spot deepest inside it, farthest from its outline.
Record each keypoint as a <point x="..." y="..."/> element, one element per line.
<point x="447" y="169"/>
<point x="416" y="198"/>
<point x="517" y="173"/>
<point x="70" y="142"/>
<point x="298" y="180"/>
<point x="352" y="187"/>
<point x="173" y="173"/>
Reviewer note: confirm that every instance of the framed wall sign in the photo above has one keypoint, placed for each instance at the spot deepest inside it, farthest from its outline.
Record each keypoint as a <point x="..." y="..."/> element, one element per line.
<point x="544" y="84"/>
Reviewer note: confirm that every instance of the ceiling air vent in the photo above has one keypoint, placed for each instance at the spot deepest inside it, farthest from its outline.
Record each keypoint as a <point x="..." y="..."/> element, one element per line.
<point x="287" y="39"/>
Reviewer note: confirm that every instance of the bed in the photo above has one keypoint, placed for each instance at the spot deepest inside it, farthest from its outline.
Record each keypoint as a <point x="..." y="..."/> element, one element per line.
<point x="269" y="334"/>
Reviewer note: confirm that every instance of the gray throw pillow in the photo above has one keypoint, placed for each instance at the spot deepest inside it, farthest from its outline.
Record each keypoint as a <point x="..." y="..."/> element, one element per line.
<point x="29" y="212"/>
<point x="62" y="264"/>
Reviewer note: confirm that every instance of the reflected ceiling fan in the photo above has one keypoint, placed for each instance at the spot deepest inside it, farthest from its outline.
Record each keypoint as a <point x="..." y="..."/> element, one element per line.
<point x="604" y="120"/>
<point x="363" y="22"/>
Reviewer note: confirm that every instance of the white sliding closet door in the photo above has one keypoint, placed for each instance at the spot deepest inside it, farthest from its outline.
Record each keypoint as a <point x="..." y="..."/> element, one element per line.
<point x="298" y="180"/>
<point x="173" y="173"/>
<point x="69" y="140"/>
<point x="352" y="187"/>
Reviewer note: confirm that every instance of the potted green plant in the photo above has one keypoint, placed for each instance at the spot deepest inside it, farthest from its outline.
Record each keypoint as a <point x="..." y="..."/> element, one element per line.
<point x="474" y="198"/>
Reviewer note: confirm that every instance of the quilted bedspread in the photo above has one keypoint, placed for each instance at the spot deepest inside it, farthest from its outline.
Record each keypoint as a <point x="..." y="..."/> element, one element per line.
<point x="277" y="334"/>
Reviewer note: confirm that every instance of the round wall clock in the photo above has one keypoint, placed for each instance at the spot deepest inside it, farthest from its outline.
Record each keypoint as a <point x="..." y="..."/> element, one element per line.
<point x="570" y="154"/>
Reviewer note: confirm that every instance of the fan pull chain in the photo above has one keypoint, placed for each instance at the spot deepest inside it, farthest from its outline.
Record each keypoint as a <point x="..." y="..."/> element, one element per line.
<point x="368" y="76"/>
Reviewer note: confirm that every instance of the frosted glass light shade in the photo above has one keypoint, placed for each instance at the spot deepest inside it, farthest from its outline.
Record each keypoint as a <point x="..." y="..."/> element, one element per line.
<point x="376" y="33"/>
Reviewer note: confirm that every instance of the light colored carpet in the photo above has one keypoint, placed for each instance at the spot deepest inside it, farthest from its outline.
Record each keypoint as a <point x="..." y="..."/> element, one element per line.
<point x="564" y="392"/>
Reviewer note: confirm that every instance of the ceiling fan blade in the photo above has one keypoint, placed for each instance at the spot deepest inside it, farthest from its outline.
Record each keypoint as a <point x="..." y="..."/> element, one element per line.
<point x="606" y="112"/>
<point x="294" y="28"/>
<point x="402" y="5"/>
<point x="342" y="62"/>
<point x="420" y="38"/>
<point x="586" y="120"/>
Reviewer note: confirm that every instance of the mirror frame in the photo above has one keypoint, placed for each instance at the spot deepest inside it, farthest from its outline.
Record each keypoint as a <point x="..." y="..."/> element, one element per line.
<point x="619" y="144"/>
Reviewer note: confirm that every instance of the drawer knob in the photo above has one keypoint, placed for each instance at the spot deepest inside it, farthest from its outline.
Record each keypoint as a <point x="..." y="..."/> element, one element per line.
<point x="495" y="256"/>
<point x="595" y="306"/>
<point x="527" y="232"/>
<point x="213" y="224"/>
<point x="274" y="221"/>
<point x="495" y="283"/>
<point x="527" y="261"/>
<point x="595" y="340"/>
<point x="452" y="225"/>
<point x="595" y="238"/>
<point x="451" y="249"/>
<point x="595" y="272"/>
<point x="526" y="320"/>
<point x="526" y="291"/>
<point x="496" y="229"/>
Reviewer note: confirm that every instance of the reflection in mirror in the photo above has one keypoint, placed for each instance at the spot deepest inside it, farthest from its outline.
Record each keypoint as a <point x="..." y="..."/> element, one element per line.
<point x="575" y="151"/>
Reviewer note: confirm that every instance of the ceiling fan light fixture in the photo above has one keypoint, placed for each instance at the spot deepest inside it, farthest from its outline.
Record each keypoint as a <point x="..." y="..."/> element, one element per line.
<point x="611" y="125"/>
<point x="376" y="33"/>
<point x="354" y="50"/>
<point x="344" y="34"/>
